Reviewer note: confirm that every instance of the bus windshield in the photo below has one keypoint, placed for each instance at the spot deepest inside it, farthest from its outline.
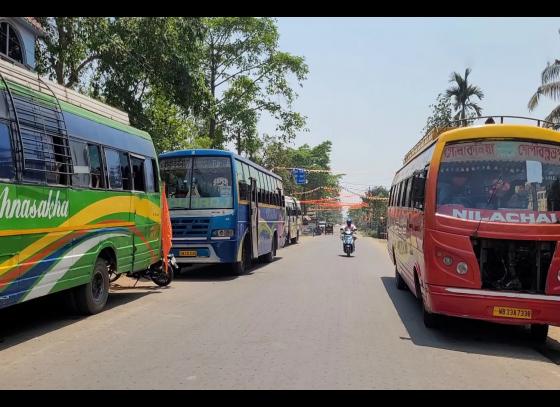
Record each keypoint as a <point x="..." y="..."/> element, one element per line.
<point x="198" y="182"/>
<point x="500" y="181"/>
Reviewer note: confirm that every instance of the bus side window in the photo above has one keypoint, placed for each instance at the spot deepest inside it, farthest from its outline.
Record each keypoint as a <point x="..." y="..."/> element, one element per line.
<point x="156" y="175"/>
<point x="126" y="171"/>
<point x="81" y="176"/>
<point x="96" y="167"/>
<point x="407" y="201"/>
<point x="137" y="165"/>
<point x="114" y="168"/>
<point x="418" y="188"/>
<point x="149" y="173"/>
<point x="241" y="180"/>
<point x="6" y="158"/>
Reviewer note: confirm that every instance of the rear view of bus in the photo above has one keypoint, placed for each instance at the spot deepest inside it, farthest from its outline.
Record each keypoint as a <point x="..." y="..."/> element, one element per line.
<point x="293" y="224"/>
<point x="475" y="224"/>
<point x="224" y="208"/>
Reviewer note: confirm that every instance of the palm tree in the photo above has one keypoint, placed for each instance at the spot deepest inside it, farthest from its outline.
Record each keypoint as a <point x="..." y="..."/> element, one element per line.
<point x="550" y="87"/>
<point x="461" y="93"/>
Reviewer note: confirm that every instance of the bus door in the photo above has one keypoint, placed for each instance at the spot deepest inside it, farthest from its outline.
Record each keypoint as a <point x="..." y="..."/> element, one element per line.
<point x="141" y="207"/>
<point x="254" y="218"/>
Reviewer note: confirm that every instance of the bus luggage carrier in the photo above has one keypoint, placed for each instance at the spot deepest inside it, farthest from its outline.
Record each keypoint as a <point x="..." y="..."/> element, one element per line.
<point x="434" y="132"/>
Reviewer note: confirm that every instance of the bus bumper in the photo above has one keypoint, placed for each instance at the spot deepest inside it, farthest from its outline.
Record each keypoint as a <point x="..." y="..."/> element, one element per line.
<point x="480" y="304"/>
<point x="206" y="253"/>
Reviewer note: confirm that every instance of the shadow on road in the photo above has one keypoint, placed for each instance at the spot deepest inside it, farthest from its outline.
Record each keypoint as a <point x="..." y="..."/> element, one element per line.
<point x="34" y="318"/>
<point x="467" y="335"/>
<point x="215" y="272"/>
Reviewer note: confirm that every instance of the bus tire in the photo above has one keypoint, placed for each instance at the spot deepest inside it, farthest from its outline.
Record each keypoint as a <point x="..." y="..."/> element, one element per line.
<point x="240" y="267"/>
<point x="269" y="257"/>
<point x="295" y="239"/>
<point x="539" y="333"/>
<point x="399" y="281"/>
<point x="91" y="297"/>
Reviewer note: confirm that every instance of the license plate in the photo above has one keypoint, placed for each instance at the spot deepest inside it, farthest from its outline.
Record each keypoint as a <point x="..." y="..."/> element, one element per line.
<point x="187" y="253"/>
<point x="518" y="313"/>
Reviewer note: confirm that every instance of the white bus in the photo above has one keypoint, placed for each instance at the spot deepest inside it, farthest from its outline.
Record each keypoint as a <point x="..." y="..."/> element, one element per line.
<point x="293" y="224"/>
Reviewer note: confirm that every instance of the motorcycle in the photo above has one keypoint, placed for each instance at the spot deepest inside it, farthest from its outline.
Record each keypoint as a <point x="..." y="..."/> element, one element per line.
<point x="155" y="272"/>
<point x="348" y="242"/>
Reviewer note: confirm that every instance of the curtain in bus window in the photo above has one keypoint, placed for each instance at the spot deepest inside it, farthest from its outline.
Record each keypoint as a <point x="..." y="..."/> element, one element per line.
<point x="114" y="169"/>
<point x="81" y="175"/>
<point x="6" y="163"/>
<point x="212" y="183"/>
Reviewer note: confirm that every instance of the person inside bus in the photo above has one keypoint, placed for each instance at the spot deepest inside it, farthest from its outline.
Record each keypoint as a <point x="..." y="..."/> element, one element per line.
<point x="456" y="191"/>
<point x="519" y="199"/>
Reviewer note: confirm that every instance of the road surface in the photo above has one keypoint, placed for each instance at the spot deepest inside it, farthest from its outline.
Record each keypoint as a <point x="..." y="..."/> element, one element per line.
<point x="312" y="319"/>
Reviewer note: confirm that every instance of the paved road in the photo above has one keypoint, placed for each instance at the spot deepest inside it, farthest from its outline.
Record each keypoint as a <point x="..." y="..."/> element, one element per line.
<point x="312" y="319"/>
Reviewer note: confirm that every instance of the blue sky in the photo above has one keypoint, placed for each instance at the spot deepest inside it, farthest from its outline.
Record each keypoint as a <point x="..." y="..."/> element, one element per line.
<point x="372" y="80"/>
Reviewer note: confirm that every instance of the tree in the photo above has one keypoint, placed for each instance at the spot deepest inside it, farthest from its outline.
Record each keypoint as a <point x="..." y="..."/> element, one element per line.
<point x="550" y="87"/>
<point x="441" y="114"/>
<point x="462" y="92"/>
<point x="246" y="72"/>
<point x="71" y="47"/>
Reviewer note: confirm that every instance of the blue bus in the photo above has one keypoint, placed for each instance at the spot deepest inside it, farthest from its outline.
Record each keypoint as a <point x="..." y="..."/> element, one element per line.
<point x="223" y="208"/>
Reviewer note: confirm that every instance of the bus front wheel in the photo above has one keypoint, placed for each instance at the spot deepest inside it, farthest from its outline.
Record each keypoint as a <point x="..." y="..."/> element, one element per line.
<point x="295" y="240"/>
<point x="92" y="297"/>
<point x="239" y="268"/>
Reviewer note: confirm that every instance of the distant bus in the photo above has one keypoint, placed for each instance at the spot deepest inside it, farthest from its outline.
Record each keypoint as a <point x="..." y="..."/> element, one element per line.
<point x="474" y="224"/>
<point x="293" y="225"/>
<point x="79" y="196"/>
<point x="224" y="208"/>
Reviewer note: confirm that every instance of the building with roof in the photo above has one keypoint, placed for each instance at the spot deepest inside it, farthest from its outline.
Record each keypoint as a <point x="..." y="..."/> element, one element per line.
<point x="18" y="39"/>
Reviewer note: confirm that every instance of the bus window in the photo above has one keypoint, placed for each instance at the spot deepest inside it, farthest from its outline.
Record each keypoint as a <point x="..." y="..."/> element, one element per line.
<point x="212" y="183"/>
<point x="96" y="167"/>
<point x="114" y="168"/>
<point x="6" y="160"/>
<point x="242" y="177"/>
<point x="137" y="165"/>
<point x="407" y="201"/>
<point x="126" y="172"/>
<point x="149" y="173"/>
<point x="156" y="174"/>
<point x="81" y="176"/>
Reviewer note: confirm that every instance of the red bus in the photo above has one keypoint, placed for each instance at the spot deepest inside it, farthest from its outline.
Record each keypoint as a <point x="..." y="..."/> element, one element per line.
<point x="474" y="224"/>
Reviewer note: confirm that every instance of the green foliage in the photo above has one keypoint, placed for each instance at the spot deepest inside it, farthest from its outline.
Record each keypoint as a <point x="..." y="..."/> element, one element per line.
<point x="461" y="93"/>
<point x="550" y="87"/>
<point x="441" y="114"/>
<point x="246" y="74"/>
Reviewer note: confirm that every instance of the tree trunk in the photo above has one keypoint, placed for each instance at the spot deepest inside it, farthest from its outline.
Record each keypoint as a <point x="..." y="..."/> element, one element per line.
<point x="239" y="149"/>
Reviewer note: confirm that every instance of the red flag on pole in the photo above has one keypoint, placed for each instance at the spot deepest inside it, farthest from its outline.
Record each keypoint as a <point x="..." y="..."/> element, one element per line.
<point x="166" y="231"/>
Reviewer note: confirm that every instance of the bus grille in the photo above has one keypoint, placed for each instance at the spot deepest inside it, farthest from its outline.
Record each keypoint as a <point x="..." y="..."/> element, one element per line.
<point x="190" y="227"/>
<point x="514" y="265"/>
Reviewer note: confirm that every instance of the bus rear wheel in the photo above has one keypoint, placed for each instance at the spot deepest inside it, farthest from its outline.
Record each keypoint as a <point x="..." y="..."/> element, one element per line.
<point x="92" y="297"/>
<point x="269" y="257"/>
<point x="539" y="333"/>
<point x="401" y="285"/>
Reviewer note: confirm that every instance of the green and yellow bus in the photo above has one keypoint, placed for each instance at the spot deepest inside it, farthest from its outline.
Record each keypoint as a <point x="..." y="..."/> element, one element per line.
<point x="79" y="193"/>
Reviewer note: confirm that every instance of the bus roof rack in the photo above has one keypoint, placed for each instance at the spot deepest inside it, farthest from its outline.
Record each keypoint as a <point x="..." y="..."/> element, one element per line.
<point x="434" y="132"/>
<point x="33" y="81"/>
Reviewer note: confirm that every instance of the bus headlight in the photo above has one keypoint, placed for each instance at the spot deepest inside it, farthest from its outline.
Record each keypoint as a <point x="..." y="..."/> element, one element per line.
<point x="462" y="268"/>
<point x="447" y="260"/>
<point x="222" y="233"/>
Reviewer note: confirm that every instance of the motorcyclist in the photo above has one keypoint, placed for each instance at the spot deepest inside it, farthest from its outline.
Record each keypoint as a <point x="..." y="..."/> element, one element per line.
<point x="350" y="226"/>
